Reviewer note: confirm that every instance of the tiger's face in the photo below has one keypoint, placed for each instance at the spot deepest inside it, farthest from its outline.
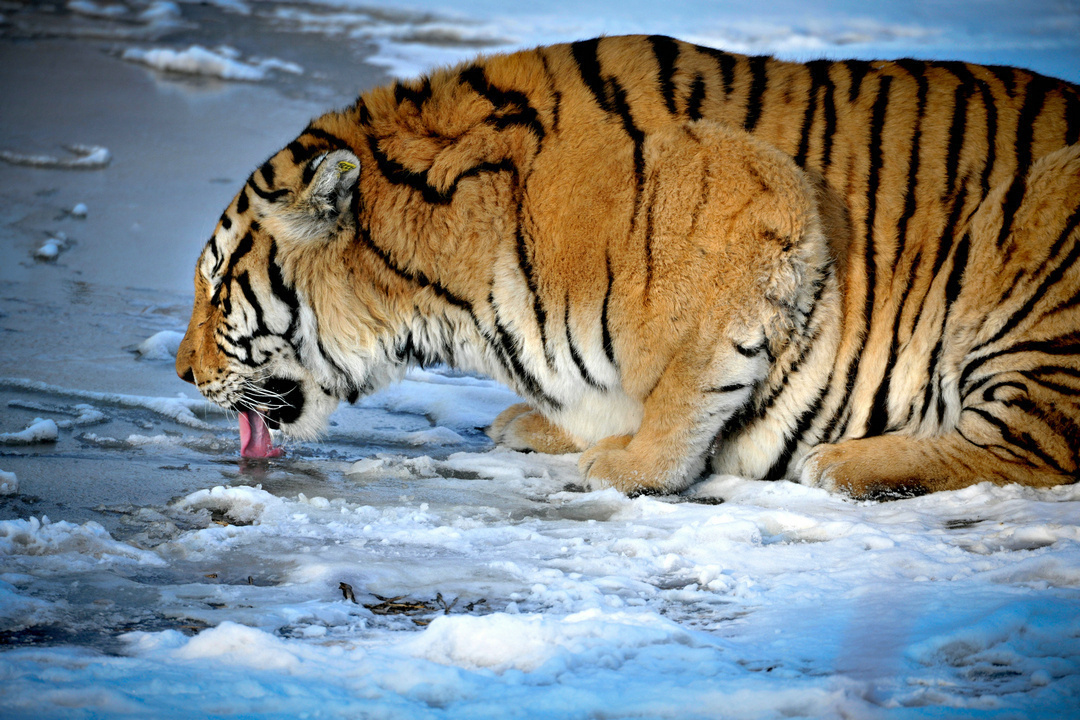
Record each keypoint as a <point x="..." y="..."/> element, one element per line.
<point x="252" y="343"/>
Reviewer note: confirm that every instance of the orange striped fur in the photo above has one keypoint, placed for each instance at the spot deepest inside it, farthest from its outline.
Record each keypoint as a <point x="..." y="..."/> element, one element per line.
<point x="861" y="275"/>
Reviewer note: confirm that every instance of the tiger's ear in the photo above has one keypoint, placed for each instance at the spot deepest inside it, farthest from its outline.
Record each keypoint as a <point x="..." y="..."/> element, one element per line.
<point x="331" y="187"/>
<point x="322" y="206"/>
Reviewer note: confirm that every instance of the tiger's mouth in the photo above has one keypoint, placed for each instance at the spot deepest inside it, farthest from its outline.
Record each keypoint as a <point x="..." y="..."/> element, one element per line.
<point x="275" y="402"/>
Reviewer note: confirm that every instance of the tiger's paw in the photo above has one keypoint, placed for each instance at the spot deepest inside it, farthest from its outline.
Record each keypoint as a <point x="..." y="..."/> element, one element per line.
<point x="519" y="427"/>
<point x="609" y="463"/>
<point x="851" y="468"/>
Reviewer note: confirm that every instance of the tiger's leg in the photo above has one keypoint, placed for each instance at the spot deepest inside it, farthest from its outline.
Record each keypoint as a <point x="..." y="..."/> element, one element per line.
<point x="1012" y="372"/>
<point x="698" y="391"/>
<point x="892" y="466"/>
<point x="520" y="427"/>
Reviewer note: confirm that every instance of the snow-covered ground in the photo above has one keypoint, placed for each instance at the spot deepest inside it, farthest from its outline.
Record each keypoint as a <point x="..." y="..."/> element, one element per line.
<point x="403" y="567"/>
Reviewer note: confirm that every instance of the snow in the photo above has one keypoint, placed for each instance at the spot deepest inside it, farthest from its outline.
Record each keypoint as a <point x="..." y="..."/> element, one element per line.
<point x="87" y="157"/>
<point x="38" y="431"/>
<point x="403" y="567"/>
<point x="160" y="346"/>
<point x="781" y="601"/>
<point x="9" y="483"/>
<point x="223" y="62"/>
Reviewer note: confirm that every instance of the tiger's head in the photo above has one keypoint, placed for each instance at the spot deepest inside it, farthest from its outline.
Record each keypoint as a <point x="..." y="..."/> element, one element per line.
<point x="276" y="268"/>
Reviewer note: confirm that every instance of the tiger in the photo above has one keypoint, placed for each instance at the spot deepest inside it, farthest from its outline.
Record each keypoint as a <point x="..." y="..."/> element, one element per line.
<point x="857" y="275"/>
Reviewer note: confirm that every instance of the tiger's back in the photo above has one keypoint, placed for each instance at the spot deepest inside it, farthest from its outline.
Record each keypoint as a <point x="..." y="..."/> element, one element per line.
<point x="924" y="174"/>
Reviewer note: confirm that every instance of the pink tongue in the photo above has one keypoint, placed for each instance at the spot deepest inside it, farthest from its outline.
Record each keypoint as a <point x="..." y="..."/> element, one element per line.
<point x="255" y="437"/>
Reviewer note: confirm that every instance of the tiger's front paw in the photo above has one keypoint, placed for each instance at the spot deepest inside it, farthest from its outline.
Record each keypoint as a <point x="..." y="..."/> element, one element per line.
<point x="611" y="463"/>
<point x="519" y="427"/>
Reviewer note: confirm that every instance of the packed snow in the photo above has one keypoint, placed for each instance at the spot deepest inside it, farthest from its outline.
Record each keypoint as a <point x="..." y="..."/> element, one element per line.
<point x="222" y="62"/>
<point x="402" y="566"/>
<point x="87" y="157"/>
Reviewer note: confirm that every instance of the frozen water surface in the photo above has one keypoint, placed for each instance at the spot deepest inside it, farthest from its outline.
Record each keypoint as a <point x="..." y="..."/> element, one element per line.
<point x="403" y="567"/>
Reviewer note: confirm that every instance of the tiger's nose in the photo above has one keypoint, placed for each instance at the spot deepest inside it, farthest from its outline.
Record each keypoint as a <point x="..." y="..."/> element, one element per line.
<point x="188" y="376"/>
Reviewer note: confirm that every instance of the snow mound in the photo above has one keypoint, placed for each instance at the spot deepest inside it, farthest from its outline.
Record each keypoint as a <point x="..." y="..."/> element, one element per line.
<point x="223" y="62"/>
<point x="87" y="157"/>
<point x="529" y="643"/>
<point x="160" y="346"/>
<point x="39" y="431"/>
<point x="9" y="483"/>
<point x="79" y="544"/>
<point x="240" y="504"/>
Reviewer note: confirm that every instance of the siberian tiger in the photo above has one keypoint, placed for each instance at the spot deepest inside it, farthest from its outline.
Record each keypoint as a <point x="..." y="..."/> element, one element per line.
<point x="860" y="275"/>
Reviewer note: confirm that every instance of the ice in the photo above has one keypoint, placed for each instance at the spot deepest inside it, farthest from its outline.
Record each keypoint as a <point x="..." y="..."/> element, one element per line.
<point x="179" y="409"/>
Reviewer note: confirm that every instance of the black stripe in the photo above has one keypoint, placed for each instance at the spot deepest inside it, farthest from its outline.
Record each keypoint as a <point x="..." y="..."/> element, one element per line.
<point x="667" y="53"/>
<point x="952" y="291"/>
<point x="759" y="81"/>
<point x="605" y="329"/>
<point x="511" y="354"/>
<point x="397" y="174"/>
<point x="918" y="71"/>
<point x="1013" y="198"/>
<point x="278" y="286"/>
<point x="728" y="388"/>
<point x="417" y="97"/>
<point x="216" y="253"/>
<point x="226" y="221"/>
<point x="1037" y="375"/>
<point x="244" y="281"/>
<point x="991" y="135"/>
<point x="302" y="153"/>
<point x="877" y="125"/>
<point x="516" y="104"/>
<point x="819" y="72"/>
<point x="333" y="141"/>
<point x="622" y="108"/>
<point x="417" y="278"/>
<point x="267" y="195"/>
<point x="857" y="69"/>
<point x="530" y="281"/>
<point x="267" y="171"/>
<point x="247" y="242"/>
<point x="588" y="63"/>
<point x="1006" y="75"/>
<point x="1072" y="114"/>
<point x="957" y="130"/>
<point x="1034" y="99"/>
<point x="697" y="96"/>
<point x="1034" y="297"/>
<point x="575" y="355"/>
<point x="649" y="242"/>
<point x="1023" y="440"/>
<point x="829" y="103"/>
<point x="242" y="202"/>
<point x="727" y="65"/>
<point x="806" y="418"/>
